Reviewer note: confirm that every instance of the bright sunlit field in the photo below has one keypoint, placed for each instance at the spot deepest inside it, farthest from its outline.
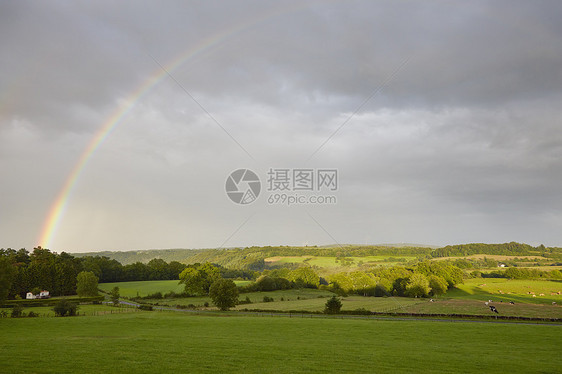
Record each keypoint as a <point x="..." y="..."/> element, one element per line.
<point x="150" y="342"/>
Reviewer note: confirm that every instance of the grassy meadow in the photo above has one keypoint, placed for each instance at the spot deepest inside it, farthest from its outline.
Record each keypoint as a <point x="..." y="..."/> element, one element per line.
<point x="176" y="342"/>
<point x="517" y="290"/>
<point x="145" y="288"/>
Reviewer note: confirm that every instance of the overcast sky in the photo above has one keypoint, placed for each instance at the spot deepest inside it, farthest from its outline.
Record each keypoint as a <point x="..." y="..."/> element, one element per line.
<point x="442" y="118"/>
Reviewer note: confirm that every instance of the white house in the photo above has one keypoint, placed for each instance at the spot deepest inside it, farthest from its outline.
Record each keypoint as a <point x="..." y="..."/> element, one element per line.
<point x="42" y="295"/>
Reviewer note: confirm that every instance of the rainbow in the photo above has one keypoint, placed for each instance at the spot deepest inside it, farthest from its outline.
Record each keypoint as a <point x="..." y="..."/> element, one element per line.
<point x="56" y="212"/>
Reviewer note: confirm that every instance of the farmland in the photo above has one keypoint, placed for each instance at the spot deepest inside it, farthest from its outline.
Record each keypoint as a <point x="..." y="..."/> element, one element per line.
<point x="145" y="288"/>
<point x="166" y="342"/>
<point x="467" y="298"/>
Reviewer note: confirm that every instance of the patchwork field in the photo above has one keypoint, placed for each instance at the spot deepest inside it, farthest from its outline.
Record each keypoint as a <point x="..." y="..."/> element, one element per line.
<point x="150" y="342"/>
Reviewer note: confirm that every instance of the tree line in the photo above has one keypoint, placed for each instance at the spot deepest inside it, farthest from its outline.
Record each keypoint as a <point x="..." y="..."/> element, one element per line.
<point x="253" y="258"/>
<point x="508" y="249"/>
<point x="22" y="271"/>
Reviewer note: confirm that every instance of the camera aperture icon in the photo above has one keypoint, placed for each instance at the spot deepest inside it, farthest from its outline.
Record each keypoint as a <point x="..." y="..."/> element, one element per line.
<point x="243" y="186"/>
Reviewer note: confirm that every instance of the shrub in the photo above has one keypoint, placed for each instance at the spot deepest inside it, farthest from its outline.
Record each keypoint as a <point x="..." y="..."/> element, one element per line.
<point x="32" y="314"/>
<point x="17" y="311"/>
<point x="267" y="299"/>
<point x="65" y="308"/>
<point x="145" y="307"/>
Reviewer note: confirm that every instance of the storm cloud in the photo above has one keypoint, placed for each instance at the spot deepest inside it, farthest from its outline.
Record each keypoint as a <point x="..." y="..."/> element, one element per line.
<point x="442" y="118"/>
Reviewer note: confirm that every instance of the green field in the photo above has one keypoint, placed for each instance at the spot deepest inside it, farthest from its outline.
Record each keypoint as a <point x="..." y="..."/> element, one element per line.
<point x="145" y="288"/>
<point x="288" y="296"/>
<point x="330" y="262"/>
<point x="166" y="342"/>
<point x="545" y="291"/>
<point x="374" y="304"/>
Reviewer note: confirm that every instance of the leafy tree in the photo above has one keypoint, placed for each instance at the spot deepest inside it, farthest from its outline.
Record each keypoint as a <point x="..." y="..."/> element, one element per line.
<point x="341" y="281"/>
<point x="417" y="285"/>
<point x="86" y="284"/>
<point x="114" y="294"/>
<point x="333" y="305"/>
<point x="361" y="282"/>
<point x="7" y="275"/>
<point x="437" y="284"/>
<point x="65" y="308"/>
<point x="265" y="283"/>
<point x="198" y="278"/>
<point x="224" y="293"/>
<point x="305" y="277"/>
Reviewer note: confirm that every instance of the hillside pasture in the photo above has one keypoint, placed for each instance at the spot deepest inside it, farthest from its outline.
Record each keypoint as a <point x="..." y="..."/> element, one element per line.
<point x="476" y="307"/>
<point x="149" y="342"/>
<point x="517" y="290"/>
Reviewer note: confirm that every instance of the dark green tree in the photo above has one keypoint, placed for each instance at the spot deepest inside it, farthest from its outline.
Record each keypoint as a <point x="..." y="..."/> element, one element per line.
<point x="333" y="305"/>
<point x="7" y="274"/>
<point x="114" y="295"/>
<point x="198" y="278"/>
<point x="86" y="284"/>
<point x="224" y="294"/>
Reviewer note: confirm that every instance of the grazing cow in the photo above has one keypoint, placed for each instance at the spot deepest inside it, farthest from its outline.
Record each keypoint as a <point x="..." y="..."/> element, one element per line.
<point x="493" y="309"/>
<point x="554" y="302"/>
<point x="486" y="303"/>
<point x="512" y="303"/>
